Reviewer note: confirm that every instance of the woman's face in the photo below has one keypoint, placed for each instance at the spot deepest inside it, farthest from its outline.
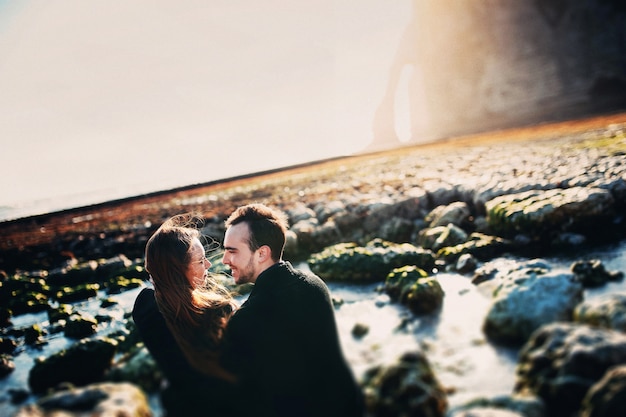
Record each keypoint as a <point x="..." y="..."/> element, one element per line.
<point x="198" y="265"/>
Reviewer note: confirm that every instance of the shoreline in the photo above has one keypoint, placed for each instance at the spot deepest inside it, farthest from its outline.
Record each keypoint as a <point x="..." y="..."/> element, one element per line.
<point x="44" y="228"/>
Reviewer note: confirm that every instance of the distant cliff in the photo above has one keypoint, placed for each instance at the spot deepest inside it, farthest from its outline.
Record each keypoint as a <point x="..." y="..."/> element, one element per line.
<point x="478" y="65"/>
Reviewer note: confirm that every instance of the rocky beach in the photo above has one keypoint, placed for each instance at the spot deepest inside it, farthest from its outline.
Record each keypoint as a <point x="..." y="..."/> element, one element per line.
<point x="524" y="222"/>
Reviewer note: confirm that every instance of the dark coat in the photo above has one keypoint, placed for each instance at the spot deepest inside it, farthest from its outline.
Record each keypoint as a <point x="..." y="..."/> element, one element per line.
<point x="187" y="392"/>
<point x="284" y="345"/>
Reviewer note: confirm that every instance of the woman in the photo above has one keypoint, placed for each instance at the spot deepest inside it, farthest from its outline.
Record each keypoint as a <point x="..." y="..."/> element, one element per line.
<point x="182" y="319"/>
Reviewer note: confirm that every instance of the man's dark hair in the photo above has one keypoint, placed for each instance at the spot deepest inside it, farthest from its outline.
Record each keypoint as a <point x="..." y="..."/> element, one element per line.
<point x="267" y="227"/>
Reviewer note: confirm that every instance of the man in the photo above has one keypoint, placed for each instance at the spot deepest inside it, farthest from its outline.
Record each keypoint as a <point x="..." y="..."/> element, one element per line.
<point x="283" y="342"/>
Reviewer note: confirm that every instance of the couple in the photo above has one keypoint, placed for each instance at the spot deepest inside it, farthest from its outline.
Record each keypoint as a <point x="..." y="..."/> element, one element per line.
<point x="279" y="354"/>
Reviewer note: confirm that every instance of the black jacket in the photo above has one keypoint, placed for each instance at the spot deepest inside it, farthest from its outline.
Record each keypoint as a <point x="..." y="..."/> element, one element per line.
<point x="188" y="392"/>
<point x="284" y="345"/>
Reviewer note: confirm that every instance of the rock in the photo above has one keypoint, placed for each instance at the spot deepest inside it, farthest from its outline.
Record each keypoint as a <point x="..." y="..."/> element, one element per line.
<point x="359" y="330"/>
<point x="6" y="365"/>
<point x="525" y="405"/>
<point x="7" y="345"/>
<point x="120" y="283"/>
<point x="607" y="397"/>
<point x="139" y="368"/>
<point x="73" y="274"/>
<point x="97" y="400"/>
<point x="79" y="326"/>
<point x="440" y="192"/>
<point x="79" y="292"/>
<point x="33" y="334"/>
<point x="82" y="363"/>
<point x="466" y="264"/>
<point x="61" y="312"/>
<point x="481" y="246"/>
<point x="413" y="287"/>
<point x="592" y="273"/>
<point x="327" y="209"/>
<point x="399" y="278"/>
<point x="553" y="296"/>
<point x="424" y="296"/>
<point x="300" y="212"/>
<point x="117" y="265"/>
<point x="379" y="212"/>
<point x="540" y="213"/>
<point x="562" y="361"/>
<point x="350" y="262"/>
<point x="438" y="237"/>
<point x="5" y="317"/>
<point x="396" y="229"/>
<point x="21" y="294"/>
<point x="108" y="302"/>
<point x="608" y="312"/>
<point x="407" y="387"/>
<point x="456" y="213"/>
<point x="486" y="412"/>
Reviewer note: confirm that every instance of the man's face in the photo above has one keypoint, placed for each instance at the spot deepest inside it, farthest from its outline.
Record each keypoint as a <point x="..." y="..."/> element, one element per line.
<point x="237" y="254"/>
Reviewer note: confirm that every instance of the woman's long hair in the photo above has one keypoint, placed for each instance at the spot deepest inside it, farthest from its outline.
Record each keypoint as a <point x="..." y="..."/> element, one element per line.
<point x="195" y="316"/>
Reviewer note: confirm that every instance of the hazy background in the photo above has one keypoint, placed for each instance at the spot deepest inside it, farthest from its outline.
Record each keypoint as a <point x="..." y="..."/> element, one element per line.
<point x="100" y="100"/>
<point x="103" y="100"/>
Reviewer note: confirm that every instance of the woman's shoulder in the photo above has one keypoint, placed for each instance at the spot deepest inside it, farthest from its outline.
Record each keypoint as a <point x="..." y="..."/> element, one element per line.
<point x="145" y="303"/>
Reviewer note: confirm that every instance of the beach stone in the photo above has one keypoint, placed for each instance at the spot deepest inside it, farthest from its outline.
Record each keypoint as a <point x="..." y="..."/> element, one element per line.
<point x="7" y="345"/>
<point x="82" y="363"/>
<point x="21" y="294"/>
<point x="479" y="245"/>
<point x="60" y="312"/>
<point x="6" y="365"/>
<point x="73" y="274"/>
<point x="33" y="334"/>
<point x="412" y="286"/>
<point x="553" y="296"/>
<point x="424" y="296"/>
<point x="298" y="212"/>
<point x="466" y="264"/>
<point x="97" y="400"/>
<point x="396" y="230"/>
<point x="456" y="213"/>
<point x="562" y="361"/>
<point x="80" y="325"/>
<point x="137" y="367"/>
<point x="408" y="206"/>
<point x="608" y="312"/>
<point x="440" y="192"/>
<point x="438" y="237"/>
<point x="80" y="292"/>
<point x="607" y="397"/>
<point x="120" y="283"/>
<point x="407" y="387"/>
<point x="304" y="231"/>
<point x="359" y="330"/>
<point x="116" y="265"/>
<point x="538" y="213"/>
<point x="5" y="317"/>
<point x="327" y="209"/>
<point x="372" y="262"/>
<point x="400" y="278"/>
<point x="486" y="412"/>
<point x="525" y="405"/>
<point x="593" y="274"/>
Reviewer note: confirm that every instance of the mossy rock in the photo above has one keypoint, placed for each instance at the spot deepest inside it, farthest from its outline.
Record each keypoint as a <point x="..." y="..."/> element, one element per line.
<point x="370" y="263"/>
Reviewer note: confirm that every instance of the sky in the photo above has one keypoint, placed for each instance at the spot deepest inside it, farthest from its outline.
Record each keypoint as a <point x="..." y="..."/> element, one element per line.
<point x="147" y="95"/>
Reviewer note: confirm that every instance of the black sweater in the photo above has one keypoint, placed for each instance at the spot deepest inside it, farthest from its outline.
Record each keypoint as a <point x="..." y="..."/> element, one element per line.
<point x="188" y="392"/>
<point x="284" y="345"/>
